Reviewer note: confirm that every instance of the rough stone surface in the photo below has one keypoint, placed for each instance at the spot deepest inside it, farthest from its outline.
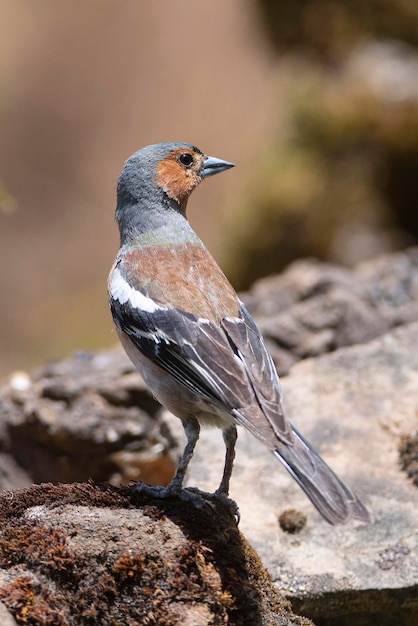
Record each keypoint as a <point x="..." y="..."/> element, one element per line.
<point x="314" y="308"/>
<point x="79" y="554"/>
<point x="355" y="405"/>
<point x="89" y="416"/>
<point x="409" y="456"/>
<point x="6" y="618"/>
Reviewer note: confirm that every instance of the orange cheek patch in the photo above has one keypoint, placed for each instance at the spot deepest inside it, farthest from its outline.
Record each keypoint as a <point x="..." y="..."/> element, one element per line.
<point x="177" y="182"/>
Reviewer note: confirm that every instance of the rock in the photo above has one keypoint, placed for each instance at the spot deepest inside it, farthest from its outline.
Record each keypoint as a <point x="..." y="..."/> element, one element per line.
<point x="6" y="618"/>
<point x="12" y="476"/>
<point x="355" y="406"/>
<point x="89" y="416"/>
<point x="314" y="308"/>
<point x="79" y="554"/>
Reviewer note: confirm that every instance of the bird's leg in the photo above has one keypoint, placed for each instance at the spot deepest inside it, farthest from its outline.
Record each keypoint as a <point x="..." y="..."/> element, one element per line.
<point x="196" y="497"/>
<point x="230" y="438"/>
<point x="174" y="487"/>
<point x="192" y="430"/>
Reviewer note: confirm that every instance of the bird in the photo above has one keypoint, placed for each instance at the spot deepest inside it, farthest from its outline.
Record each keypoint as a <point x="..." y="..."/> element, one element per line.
<point x="191" y="338"/>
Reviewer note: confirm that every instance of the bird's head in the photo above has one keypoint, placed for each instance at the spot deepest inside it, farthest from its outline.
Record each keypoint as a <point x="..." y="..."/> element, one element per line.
<point x="174" y="169"/>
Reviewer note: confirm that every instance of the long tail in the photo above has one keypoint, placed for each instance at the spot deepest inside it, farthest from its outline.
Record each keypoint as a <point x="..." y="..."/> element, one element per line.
<point x="333" y="499"/>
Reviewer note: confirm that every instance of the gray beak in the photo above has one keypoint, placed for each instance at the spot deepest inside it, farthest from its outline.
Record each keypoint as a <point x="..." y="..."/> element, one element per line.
<point x="212" y="165"/>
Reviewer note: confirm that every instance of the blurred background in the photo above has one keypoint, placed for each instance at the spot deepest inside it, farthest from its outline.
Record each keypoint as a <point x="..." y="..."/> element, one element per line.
<point x="316" y="101"/>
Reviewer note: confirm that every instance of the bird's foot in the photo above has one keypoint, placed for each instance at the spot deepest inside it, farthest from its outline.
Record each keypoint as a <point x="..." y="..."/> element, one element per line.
<point x="153" y="491"/>
<point x="221" y="497"/>
<point x="199" y="499"/>
<point x="193" y="496"/>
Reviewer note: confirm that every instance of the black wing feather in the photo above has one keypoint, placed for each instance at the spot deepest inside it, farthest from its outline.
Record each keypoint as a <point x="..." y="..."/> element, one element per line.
<point x="196" y="354"/>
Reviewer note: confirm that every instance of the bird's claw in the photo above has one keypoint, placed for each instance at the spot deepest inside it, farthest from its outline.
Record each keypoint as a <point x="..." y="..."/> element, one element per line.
<point x="221" y="497"/>
<point x="230" y="504"/>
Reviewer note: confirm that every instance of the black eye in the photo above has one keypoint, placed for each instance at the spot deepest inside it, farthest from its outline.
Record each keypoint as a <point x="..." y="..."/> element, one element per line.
<point x="186" y="159"/>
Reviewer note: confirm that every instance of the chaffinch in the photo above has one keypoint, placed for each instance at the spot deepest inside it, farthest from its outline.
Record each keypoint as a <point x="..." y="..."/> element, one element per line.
<point x="192" y="339"/>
